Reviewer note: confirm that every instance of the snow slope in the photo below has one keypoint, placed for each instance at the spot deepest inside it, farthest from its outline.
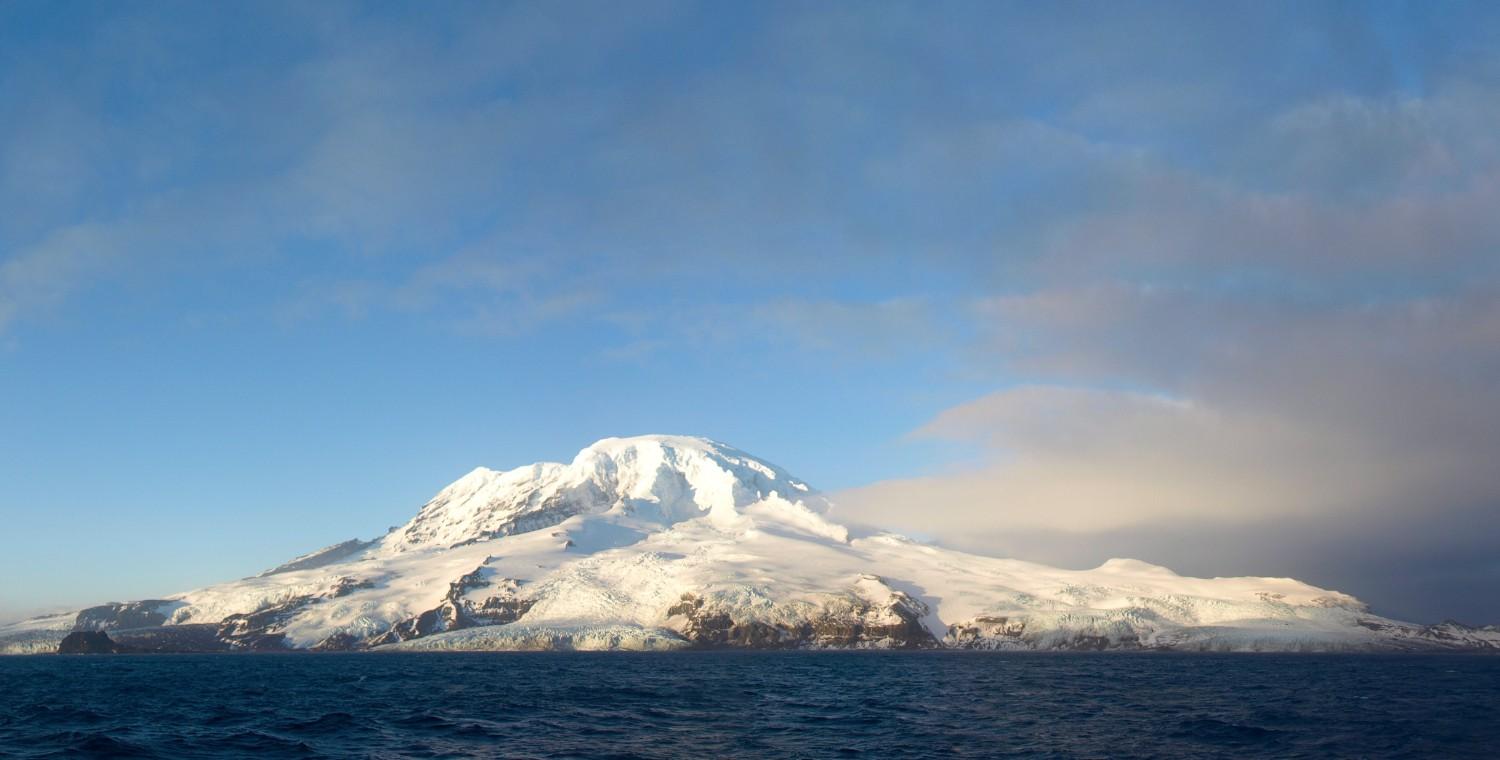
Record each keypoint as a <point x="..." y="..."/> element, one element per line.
<point x="663" y="542"/>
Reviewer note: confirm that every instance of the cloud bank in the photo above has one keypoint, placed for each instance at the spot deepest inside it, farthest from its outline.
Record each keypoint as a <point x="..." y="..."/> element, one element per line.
<point x="1293" y="369"/>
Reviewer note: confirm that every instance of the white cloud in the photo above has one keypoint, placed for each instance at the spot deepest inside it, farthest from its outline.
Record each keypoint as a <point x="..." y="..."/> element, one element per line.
<point x="1088" y="460"/>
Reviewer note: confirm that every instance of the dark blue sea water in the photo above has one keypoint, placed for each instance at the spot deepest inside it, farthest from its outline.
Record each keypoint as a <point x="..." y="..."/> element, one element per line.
<point x="750" y="704"/>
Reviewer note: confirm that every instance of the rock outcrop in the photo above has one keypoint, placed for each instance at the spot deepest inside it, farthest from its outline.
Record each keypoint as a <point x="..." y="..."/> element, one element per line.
<point x="457" y="611"/>
<point x="843" y="622"/>
<point x="88" y="642"/>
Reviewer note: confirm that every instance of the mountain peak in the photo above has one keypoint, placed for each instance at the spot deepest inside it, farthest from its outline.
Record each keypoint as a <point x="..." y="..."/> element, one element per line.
<point x="655" y="479"/>
<point x="683" y="442"/>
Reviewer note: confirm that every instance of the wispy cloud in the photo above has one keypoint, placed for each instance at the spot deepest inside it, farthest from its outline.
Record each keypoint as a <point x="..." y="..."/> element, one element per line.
<point x="44" y="274"/>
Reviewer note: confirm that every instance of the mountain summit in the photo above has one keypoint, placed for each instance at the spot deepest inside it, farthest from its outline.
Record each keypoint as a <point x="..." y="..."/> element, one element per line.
<point x="662" y="542"/>
<point x="652" y="480"/>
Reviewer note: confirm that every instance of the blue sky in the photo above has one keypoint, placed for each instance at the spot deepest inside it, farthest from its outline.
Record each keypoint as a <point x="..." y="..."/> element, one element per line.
<point x="1079" y="279"/>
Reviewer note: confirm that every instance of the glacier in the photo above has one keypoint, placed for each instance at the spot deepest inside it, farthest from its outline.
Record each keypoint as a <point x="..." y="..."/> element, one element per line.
<point x="656" y="543"/>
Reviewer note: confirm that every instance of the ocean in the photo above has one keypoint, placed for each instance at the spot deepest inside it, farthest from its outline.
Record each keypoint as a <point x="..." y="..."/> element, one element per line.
<point x="750" y="704"/>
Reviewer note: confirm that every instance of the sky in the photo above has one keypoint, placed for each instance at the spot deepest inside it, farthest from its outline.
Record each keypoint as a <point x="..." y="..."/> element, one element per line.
<point x="1216" y="286"/>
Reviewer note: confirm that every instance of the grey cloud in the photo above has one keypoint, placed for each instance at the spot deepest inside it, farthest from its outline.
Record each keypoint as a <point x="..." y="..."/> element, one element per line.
<point x="1383" y="397"/>
<point x="1198" y="228"/>
<point x="1327" y="439"/>
<point x="870" y="329"/>
<point x="1396" y="560"/>
<point x="1417" y="213"/>
<point x="1309" y="352"/>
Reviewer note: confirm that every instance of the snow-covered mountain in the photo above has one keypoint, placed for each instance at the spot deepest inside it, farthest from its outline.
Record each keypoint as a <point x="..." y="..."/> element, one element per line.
<point x="662" y="542"/>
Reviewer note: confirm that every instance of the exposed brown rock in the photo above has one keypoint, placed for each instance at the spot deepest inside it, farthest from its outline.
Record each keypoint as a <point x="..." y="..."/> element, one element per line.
<point x="456" y="612"/>
<point x="854" y="623"/>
